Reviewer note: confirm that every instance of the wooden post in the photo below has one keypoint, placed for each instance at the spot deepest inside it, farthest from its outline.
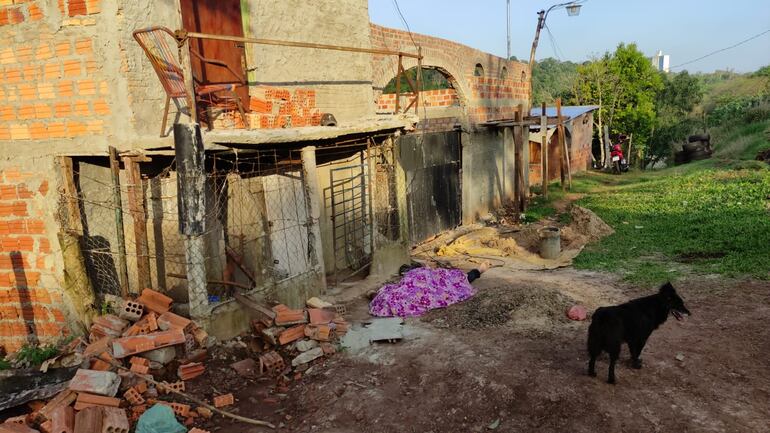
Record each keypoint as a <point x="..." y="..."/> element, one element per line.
<point x="544" y="149"/>
<point x="630" y="143"/>
<point x="139" y="216"/>
<point x="419" y="82"/>
<point x="517" y="165"/>
<point x="117" y="204"/>
<point x="398" y="82"/>
<point x="518" y="139"/>
<point x="563" y="150"/>
<point x="75" y="222"/>
<point x="186" y="61"/>
<point x="525" y="156"/>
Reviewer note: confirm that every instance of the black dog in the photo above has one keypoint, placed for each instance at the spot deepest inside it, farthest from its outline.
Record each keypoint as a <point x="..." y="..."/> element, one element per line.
<point x="632" y="323"/>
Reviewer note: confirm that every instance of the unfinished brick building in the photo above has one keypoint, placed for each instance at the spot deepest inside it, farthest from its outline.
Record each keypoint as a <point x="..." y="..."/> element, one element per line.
<point x="74" y="81"/>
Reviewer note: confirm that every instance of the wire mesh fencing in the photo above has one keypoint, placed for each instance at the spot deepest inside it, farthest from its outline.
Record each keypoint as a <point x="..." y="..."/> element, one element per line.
<point x="255" y="236"/>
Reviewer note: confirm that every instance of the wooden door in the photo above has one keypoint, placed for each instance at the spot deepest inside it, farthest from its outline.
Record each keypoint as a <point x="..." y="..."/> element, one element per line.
<point x="219" y="17"/>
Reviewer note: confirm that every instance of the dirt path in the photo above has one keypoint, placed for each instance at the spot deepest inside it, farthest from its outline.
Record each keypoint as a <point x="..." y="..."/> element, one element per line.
<point x="529" y="374"/>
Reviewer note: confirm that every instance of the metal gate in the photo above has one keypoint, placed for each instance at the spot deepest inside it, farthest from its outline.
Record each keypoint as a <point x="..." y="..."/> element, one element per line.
<point x="351" y="215"/>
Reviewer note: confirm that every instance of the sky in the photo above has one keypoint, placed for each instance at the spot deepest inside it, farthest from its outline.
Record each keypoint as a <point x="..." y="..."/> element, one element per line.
<point x="684" y="29"/>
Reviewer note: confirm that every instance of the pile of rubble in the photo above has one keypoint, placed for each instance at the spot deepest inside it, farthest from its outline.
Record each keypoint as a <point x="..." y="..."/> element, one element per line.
<point x="138" y="359"/>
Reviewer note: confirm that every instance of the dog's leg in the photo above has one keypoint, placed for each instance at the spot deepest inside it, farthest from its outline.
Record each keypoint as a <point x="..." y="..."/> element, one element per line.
<point x="634" y="347"/>
<point x="594" y="349"/>
<point x="614" y="353"/>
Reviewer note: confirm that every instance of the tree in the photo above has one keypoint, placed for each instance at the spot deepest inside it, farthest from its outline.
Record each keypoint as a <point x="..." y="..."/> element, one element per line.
<point x="624" y="84"/>
<point x="675" y="120"/>
<point x="552" y="79"/>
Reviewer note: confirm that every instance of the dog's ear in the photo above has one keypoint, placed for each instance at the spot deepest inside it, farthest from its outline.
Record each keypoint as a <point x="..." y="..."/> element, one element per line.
<point x="667" y="289"/>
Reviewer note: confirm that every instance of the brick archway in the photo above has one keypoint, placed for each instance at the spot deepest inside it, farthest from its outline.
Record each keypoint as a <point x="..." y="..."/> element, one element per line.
<point x="492" y="95"/>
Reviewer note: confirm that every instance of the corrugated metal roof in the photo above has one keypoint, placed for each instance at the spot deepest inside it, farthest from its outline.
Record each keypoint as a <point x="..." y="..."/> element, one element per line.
<point x="571" y="111"/>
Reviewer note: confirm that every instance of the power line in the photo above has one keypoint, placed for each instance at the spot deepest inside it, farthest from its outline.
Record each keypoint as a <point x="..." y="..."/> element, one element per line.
<point x="556" y="49"/>
<point x="723" y="49"/>
<point x="398" y="9"/>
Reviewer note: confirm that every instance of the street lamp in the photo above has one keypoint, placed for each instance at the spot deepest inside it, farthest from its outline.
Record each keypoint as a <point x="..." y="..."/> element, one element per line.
<point x="573" y="9"/>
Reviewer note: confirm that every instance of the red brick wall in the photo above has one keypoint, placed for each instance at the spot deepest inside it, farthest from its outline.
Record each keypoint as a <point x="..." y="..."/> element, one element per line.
<point x="50" y="81"/>
<point x="31" y="304"/>
<point x="428" y="98"/>
<point x="274" y="107"/>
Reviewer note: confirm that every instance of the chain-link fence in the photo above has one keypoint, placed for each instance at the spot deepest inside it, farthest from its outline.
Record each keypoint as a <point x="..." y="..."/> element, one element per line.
<point x="255" y="230"/>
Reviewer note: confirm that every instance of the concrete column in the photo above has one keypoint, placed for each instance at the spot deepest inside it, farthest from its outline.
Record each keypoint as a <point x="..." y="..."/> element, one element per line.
<point x="403" y="212"/>
<point x="509" y="166"/>
<point x="191" y="201"/>
<point x="313" y="202"/>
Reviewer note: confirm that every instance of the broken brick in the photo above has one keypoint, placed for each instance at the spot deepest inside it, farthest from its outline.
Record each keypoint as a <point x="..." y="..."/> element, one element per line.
<point x="180" y="409"/>
<point x="115" y="421"/>
<point x="99" y="346"/>
<point x="130" y="310"/>
<point x="246" y="367"/>
<point x="328" y="348"/>
<point x="155" y="301"/>
<point x="63" y="399"/>
<point x="271" y="363"/>
<point x="99" y="365"/>
<point x="126" y="346"/>
<point x="166" y="388"/>
<point x="147" y="324"/>
<point x="109" y="324"/>
<point x="134" y="397"/>
<point x="88" y="400"/>
<point x="205" y="412"/>
<point x="318" y="332"/>
<point x="9" y="427"/>
<point x="190" y="371"/>
<point x="169" y="320"/>
<point x="89" y="420"/>
<point x="272" y="334"/>
<point x="139" y="368"/>
<point x="320" y="317"/>
<point x="291" y="334"/>
<point x="197" y="430"/>
<point x="289" y="317"/>
<point x="201" y="337"/>
<point x="141" y="387"/>
<point x="224" y="400"/>
<point x="196" y="356"/>
<point x="139" y="360"/>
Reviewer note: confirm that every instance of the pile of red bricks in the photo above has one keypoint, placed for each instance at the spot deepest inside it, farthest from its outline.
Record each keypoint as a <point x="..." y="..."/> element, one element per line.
<point x="301" y="335"/>
<point x="272" y="107"/>
<point x="121" y="357"/>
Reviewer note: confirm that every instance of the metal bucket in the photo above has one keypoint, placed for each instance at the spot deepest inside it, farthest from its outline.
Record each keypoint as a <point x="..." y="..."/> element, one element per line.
<point x="550" y="242"/>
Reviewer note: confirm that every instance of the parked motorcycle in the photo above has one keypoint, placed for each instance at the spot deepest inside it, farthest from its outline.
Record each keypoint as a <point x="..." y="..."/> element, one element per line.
<point x="619" y="164"/>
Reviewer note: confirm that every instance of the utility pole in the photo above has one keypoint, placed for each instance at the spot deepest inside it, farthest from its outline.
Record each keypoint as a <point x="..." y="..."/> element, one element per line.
<point x="508" y="27"/>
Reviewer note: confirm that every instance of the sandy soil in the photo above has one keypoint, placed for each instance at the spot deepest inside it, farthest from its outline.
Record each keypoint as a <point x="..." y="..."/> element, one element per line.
<point x="508" y="361"/>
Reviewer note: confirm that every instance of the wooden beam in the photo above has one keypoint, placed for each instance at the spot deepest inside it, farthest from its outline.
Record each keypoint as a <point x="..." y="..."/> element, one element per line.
<point x="117" y="204"/>
<point x="75" y="222"/>
<point x="518" y="177"/>
<point x="136" y="207"/>
<point x="544" y="150"/>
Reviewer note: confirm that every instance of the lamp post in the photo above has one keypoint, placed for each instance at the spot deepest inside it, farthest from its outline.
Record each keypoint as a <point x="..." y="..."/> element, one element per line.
<point x="573" y="9"/>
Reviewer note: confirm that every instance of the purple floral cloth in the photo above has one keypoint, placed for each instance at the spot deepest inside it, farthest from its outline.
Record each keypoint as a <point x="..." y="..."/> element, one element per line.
<point x="420" y="290"/>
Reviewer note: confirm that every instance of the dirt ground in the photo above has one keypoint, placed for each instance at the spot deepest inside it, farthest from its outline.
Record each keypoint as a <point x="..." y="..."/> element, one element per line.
<point x="509" y="361"/>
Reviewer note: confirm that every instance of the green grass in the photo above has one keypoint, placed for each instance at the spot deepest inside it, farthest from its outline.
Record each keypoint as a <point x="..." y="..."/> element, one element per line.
<point x="696" y="218"/>
<point x="741" y="141"/>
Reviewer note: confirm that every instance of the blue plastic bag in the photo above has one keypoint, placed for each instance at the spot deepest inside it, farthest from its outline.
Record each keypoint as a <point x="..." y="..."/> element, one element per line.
<point x="159" y="419"/>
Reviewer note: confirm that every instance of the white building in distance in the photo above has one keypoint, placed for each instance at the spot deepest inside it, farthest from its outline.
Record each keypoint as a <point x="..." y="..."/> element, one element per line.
<point x="661" y="62"/>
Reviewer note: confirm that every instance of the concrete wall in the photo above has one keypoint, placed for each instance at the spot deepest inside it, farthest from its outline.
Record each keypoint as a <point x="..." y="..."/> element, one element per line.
<point x="483" y="174"/>
<point x="341" y="80"/>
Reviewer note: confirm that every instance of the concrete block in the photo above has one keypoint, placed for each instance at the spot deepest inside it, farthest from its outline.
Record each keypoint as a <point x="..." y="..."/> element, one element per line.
<point x="163" y="355"/>
<point x="115" y="421"/>
<point x="308" y="356"/>
<point x="95" y="382"/>
<point x="305" y="345"/>
<point x="89" y="420"/>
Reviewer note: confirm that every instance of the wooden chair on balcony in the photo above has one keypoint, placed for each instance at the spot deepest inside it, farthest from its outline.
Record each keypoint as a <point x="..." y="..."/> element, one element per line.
<point x="155" y="43"/>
